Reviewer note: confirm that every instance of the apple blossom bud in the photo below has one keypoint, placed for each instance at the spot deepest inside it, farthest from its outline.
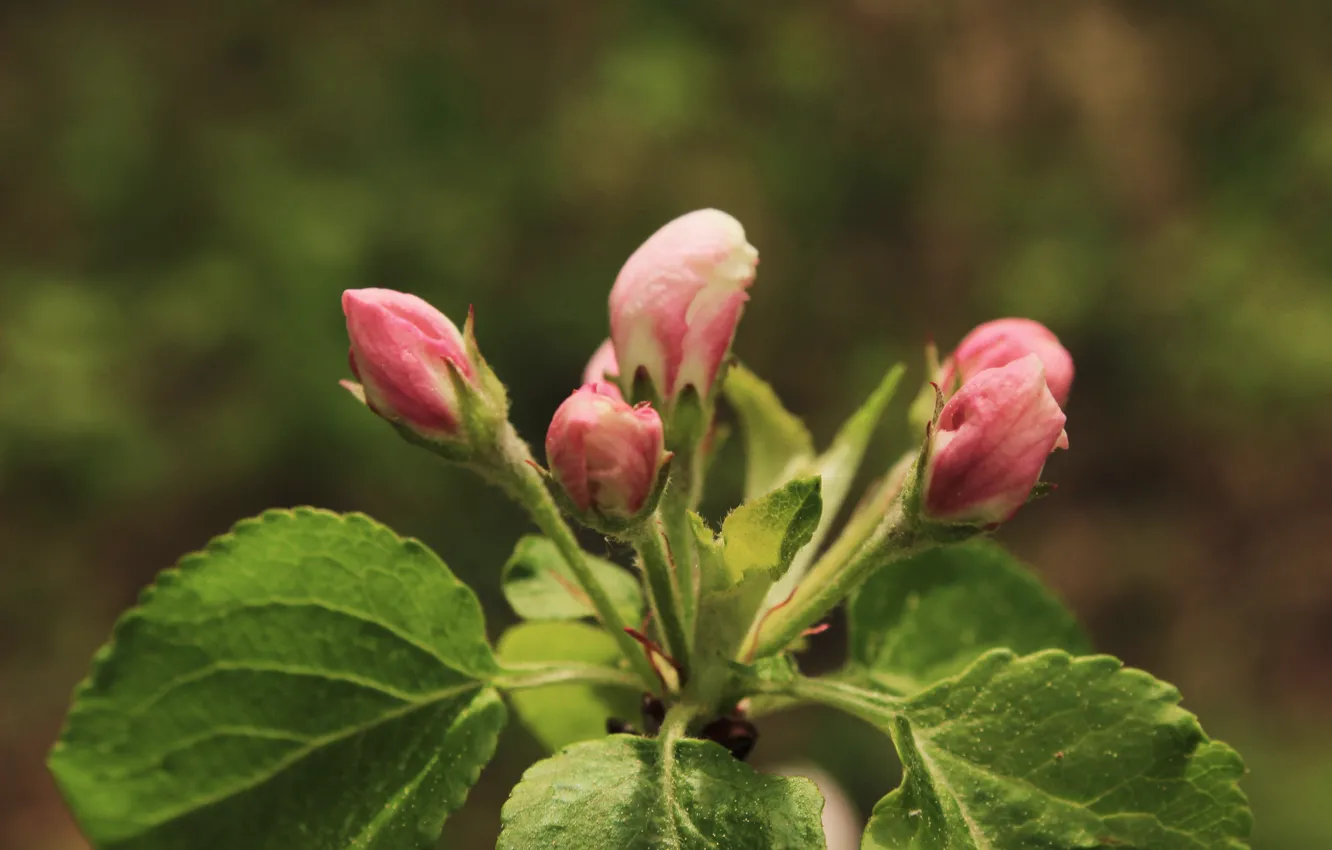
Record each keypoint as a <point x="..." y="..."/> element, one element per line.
<point x="603" y="367"/>
<point x="990" y="444"/>
<point x="1002" y="341"/>
<point x="401" y="348"/>
<point x="676" y="302"/>
<point x="605" y="454"/>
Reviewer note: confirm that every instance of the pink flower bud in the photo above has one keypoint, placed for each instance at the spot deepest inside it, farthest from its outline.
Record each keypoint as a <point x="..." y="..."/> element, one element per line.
<point x="676" y="302"/>
<point x="603" y="367"/>
<point x="991" y="443"/>
<point x="604" y="453"/>
<point x="400" y="346"/>
<point x="1002" y="341"/>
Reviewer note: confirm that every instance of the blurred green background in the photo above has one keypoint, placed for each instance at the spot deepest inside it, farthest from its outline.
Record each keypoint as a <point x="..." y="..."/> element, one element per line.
<point x="185" y="189"/>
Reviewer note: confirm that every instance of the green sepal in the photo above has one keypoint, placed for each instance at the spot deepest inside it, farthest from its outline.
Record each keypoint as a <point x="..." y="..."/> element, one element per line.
<point x="621" y="528"/>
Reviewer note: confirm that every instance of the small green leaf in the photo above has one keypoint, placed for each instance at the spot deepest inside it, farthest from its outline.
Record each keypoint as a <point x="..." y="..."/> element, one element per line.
<point x="562" y="714"/>
<point x="540" y="585"/>
<point x="919" y="620"/>
<point x="308" y="681"/>
<point x="766" y="533"/>
<point x="776" y="441"/>
<point x="1058" y="752"/>
<point x="630" y="793"/>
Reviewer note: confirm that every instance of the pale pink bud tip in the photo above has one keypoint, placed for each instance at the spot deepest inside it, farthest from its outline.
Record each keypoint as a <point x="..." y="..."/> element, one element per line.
<point x="400" y="351"/>
<point x="676" y="302"/>
<point x="603" y="452"/>
<point x="991" y="443"/>
<point x="1002" y="341"/>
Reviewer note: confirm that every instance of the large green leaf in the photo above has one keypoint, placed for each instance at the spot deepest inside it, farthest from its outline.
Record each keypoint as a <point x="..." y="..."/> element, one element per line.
<point x="308" y="681"/>
<point x="630" y="793"/>
<point x="776" y="441"/>
<point x="562" y="714"/>
<point x="540" y="585"/>
<point x="837" y="469"/>
<point x="1051" y="751"/>
<point x="919" y="620"/>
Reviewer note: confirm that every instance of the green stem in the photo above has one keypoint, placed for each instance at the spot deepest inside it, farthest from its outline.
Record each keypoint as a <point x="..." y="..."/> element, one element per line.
<point x="516" y="677"/>
<point x="662" y="590"/>
<point x="524" y="483"/>
<point x="676" y="503"/>
<point x="676" y="724"/>
<point x="867" y="705"/>
<point x="832" y="579"/>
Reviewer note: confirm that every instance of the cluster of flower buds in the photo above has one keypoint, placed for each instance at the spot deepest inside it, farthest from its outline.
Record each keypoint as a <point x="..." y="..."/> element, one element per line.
<point x="673" y="314"/>
<point x="1003" y="388"/>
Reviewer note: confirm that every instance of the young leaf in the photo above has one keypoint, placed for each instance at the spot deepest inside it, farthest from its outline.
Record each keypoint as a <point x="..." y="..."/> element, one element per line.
<point x="766" y="533"/>
<point x="1059" y="752"/>
<point x="837" y="468"/>
<point x="539" y="584"/>
<point x="309" y="680"/>
<point x="562" y="714"/>
<point x="630" y="793"/>
<point x="776" y="441"/>
<point x="919" y="620"/>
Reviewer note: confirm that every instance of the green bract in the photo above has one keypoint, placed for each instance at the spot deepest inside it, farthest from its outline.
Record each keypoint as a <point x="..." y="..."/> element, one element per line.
<point x="313" y="681"/>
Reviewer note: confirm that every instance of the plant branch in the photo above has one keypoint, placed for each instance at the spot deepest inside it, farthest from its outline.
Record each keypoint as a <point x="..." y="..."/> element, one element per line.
<point x="662" y="589"/>
<point x="676" y="503"/>
<point x="871" y="706"/>
<point x="834" y="577"/>
<point x="516" y="677"/>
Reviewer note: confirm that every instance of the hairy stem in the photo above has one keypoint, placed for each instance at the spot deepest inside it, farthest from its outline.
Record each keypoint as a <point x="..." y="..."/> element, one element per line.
<point x="516" y="677"/>
<point x="676" y="503"/>
<point x="868" y="705"/>
<point x="662" y="590"/>
<point x="832" y="579"/>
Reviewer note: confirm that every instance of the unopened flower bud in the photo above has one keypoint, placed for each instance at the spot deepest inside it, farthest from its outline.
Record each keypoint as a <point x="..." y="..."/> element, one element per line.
<point x="603" y="367"/>
<point x="990" y="444"/>
<point x="605" y="454"/>
<point x="676" y="302"/>
<point x="401" y="350"/>
<point x="1002" y="341"/>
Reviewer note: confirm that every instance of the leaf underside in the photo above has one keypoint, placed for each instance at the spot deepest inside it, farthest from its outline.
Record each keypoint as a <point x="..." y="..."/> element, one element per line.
<point x="309" y="680"/>
<point x="632" y="793"/>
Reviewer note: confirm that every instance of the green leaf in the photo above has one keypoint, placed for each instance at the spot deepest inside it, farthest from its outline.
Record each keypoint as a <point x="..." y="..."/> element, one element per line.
<point x="776" y="441"/>
<point x="308" y="681"/>
<point x="1052" y="751"/>
<point x="631" y="793"/>
<point x="919" y="620"/>
<point x="539" y="584"/>
<point x="764" y="534"/>
<point x="837" y="468"/>
<point x="562" y="714"/>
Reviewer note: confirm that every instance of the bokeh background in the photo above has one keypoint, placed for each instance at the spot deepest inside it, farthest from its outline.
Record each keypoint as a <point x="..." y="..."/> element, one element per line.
<point x="185" y="189"/>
